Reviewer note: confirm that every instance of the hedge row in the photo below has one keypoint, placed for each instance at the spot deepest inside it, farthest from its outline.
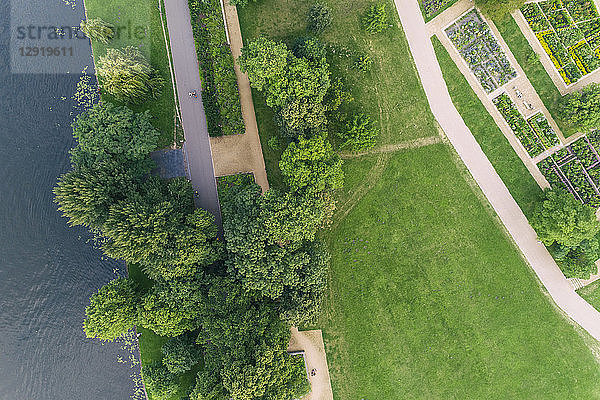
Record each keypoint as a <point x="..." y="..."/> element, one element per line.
<point x="219" y="84"/>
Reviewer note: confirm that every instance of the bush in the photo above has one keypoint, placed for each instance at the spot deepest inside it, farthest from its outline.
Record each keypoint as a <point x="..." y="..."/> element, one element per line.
<point x="360" y="133"/>
<point x="363" y="63"/>
<point x="160" y="383"/>
<point x="319" y="18"/>
<point x="376" y="19"/>
<point x="578" y="262"/>
<point x="127" y="75"/>
<point x="97" y="29"/>
<point x="181" y="353"/>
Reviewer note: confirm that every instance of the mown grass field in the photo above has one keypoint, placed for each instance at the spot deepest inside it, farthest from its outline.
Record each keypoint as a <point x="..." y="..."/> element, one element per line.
<point x="428" y="298"/>
<point x="138" y="24"/>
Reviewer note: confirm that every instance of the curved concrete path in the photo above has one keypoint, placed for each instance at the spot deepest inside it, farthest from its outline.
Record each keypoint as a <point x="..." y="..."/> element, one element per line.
<point x="484" y="174"/>
<point x="187" y="77"/>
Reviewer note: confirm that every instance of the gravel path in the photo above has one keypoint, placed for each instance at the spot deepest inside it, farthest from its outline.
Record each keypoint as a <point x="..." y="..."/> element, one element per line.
<point x="484" y="174"/>
<point x="187" y="77"/>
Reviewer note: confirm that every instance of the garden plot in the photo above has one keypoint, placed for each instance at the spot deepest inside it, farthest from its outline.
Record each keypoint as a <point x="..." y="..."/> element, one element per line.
<point x="535" y="133"/>
<point x="475" y="42"/>
<point x="576" y="168"/>
<point x="431" y="8"/>
<point x="569" y="32"/>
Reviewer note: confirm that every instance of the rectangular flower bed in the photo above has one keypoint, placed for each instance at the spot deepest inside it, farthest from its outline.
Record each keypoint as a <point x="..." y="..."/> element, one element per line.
<point x="431" y="8"/>
<point x="477" y="45"/>
<point x="573" y="34"/>
<point x="544" y="131"/>
<point x="519" y="125"/>
<point x="585" y="153"/>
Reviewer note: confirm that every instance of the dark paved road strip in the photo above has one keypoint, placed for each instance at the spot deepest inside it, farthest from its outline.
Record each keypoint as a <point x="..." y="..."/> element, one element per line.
<point x="187" y="78"/>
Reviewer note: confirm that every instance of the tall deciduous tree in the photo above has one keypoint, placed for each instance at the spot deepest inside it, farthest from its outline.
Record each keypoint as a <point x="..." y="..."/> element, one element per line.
<point x="159" y="381"/>
<point x="581" y="109"/>
<point x="562" y="219"/>
<point x="181" y="353"/>
<point x="112" y="311"/>
<point x="127" y="75"/>
<point x="311" y="164"/>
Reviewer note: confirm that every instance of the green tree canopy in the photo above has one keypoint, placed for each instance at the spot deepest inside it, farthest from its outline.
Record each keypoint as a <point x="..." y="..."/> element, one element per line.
<point x="160" y="229"/>
<point x="360" y="133"/>
<point x="97" y="29"/>
<point x="498" y="8"/>
<point x="112" y="311"/>
<point x="159" y="381"/>
<point x="128" y="76"/>
<point x="312" y="164"/>
<point x="181" y="353"/>
<point x="110" y="133"/>
<point x="581" y="109"/>
<point x="172" y="307"/>
<point x="562" y="219"/>
<point x="85" y="195"/>
<point x="319" y="18"/>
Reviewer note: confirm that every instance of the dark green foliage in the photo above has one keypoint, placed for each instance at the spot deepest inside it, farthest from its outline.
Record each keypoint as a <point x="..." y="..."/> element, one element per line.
<point x="160" y="229"/>
<point x="159" y="381"/>
<point x="209" y="386"/>
<point x="86" y="194"/>
<point x="337" y="96"/>
<point x="220" y="94"/>
<point x="577" y="262"/>
<point x="376" y="19"/>
<point x="319" y="18"/>
<point x="581" y="109"/>
<point x="112" y="311"/>
<point x="239" y="3"/>
<point x="561" y="219"/>
<point x="301" y="118"/>
<point x="498" y="8"/>
<point x="181" y="353"/>
<point x="172" y="307"/>
<point x="311" y="164"/>
<point x="127" y="75"/>
<point x="110" y="133"/>
<point x="310" y="49"/>
<point x="97" y="29"/>
<point x="360" y="133"/>
<point x="363" y="63"/>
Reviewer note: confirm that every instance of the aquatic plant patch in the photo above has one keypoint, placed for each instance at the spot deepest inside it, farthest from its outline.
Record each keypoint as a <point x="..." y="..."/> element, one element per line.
<point x="431" y="8"/>
<point x="522" y="130"/>
<point x="569" y="32"/>
<point x="472" y="36"/>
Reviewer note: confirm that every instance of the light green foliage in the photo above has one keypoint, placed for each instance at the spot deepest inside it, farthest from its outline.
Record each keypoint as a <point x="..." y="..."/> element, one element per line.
<point x="360" y="133"/>
<point x="337" y="96"/>
<point x="312" y="165"/>
<point x="498" y="8"/>
<point x="581" y="109"/>
<point x="319" y="18"/>
<point x="181" y="353"/>
<point x="97" y="29"/>
<point x="376" y="18"/>
<point x="160" y="229"/>
<point x="159" y="381"/>
<point x="265" y="61"/>
<point x="110" y="133"/>
<point x="85" y="195"/>
<point x="561" y="219"/>
<point x="127" y="75"/>
<point x="172" y="307"/>
<point x="112" y="310"/>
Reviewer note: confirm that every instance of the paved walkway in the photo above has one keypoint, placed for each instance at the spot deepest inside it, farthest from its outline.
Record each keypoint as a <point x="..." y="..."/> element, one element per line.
<point x="484" y="174"/>
<point x="311" y="344"/>
<point x="240" y="153"/>
<point x="187" y="77"/>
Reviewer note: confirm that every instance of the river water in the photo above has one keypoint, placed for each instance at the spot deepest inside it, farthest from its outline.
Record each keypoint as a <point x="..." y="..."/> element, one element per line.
<point x="47" y="270"/>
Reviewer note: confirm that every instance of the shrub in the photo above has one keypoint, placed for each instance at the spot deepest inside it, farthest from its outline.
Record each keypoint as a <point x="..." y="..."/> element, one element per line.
<point x="127" y="75"/>
<point x="363" y="63"/>
<point x="319" y="18"/>
<point x="97" y="29"/>
<point x="360" y="133"/>
<point x="159" y="382"/>
<point x="376" y="19"/>
<point x="181" y="353"/>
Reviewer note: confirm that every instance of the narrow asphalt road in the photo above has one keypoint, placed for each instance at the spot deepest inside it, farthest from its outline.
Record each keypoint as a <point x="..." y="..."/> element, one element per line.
<point x="187" y="78"/>
<point x="484" y="174"/>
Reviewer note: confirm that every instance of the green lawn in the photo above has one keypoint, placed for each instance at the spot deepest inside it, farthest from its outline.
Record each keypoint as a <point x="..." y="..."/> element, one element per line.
<point x="428" y="298"/>
<point x="138" y="24"/>
<point x="505" y="160"/>
<point x="591" y="294"/>
<point x="534" y="69"/>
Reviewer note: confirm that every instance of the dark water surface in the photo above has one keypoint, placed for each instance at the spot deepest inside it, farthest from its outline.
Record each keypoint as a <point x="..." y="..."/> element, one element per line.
<point x="47" y="270"/>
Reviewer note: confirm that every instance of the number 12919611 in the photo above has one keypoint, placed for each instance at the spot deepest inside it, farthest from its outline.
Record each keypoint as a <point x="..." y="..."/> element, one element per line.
<point x="46" y="51"/>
